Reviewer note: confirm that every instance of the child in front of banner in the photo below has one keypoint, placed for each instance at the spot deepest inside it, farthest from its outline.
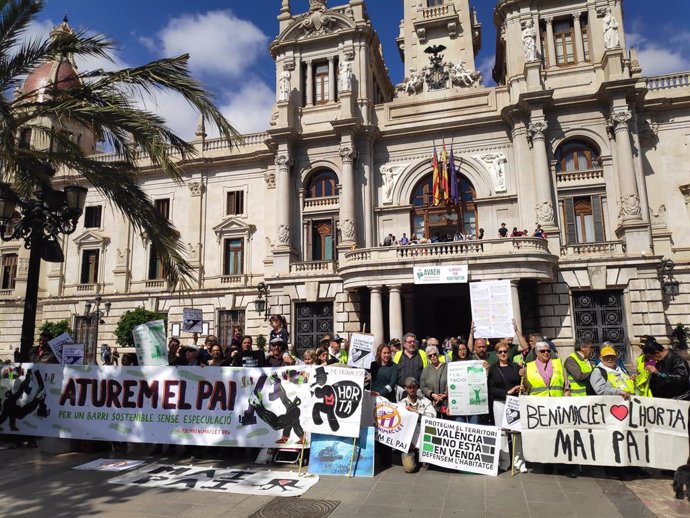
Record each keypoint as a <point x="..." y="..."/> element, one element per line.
<point x="419" y="405"/>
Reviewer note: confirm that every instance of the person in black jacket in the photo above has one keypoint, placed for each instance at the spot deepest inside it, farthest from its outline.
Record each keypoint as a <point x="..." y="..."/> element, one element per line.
<point x="669" y="377"/>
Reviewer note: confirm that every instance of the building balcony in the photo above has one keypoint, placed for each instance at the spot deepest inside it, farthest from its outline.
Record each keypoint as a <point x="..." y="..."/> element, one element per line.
<point x="326" y="203"/>
<point x="603" y="249"/>
<point x="6" y="293"/>
<point x="579" y="178"/>
<point x="233" y="280"/>
<point x="313" y="268"/>
<point x="486" y="259"/>
<point x="87" y="288"/>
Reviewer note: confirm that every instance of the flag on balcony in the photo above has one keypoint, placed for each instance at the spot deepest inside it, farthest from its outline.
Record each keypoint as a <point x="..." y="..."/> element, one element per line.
<point x="436" y="185"/>
<point x="454" y="198"/>
<point x="444" y="174"/>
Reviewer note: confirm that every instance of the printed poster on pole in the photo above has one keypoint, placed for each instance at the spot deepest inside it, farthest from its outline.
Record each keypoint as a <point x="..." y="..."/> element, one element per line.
<point x="150" y="343"/>
<point x="57" y="343"/>
<point x="492" y="309"/>
<point x="362" y="350"/>
<point x="468" y="392"/>
<point x="192" y="320"/>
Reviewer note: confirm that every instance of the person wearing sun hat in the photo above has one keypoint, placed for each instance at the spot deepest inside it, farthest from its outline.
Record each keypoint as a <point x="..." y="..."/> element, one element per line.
<point x="608" y="379"/>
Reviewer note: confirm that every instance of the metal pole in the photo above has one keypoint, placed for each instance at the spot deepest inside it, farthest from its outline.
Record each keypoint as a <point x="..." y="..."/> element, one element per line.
<point x="31" y="299"/>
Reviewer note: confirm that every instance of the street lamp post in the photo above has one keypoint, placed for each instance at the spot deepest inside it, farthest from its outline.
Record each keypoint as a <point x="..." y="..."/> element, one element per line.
<point x="95" y="318"/>
<point x="38" y="221"/>
<point x="261" y="302"/>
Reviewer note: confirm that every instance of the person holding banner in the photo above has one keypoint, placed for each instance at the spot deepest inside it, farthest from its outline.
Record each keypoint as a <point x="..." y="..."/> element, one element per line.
<point x="579" y="368"/>
<point x="504" y="380"/>
<point x="434" y="382"/>
<point x="546" y="376"/>
<point x="608" y="379"/>
<point x="417" y="405"/>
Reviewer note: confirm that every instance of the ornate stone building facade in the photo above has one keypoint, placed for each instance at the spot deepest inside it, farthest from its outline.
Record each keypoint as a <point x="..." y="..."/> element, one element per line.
<point x="573" y="138"/>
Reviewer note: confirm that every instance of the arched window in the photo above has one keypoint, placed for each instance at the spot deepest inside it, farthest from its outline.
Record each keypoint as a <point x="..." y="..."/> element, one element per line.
<point x="322" y="184"/>
<point x="441" y="222"/>
<point x="576" y="155"/>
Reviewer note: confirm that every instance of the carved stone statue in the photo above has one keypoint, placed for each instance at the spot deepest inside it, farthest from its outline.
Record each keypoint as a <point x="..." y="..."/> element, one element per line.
<point x="283" y="234"/>
<point x="414" y="83"/>
<point x="529" y="41"/>
<point x="496" y="163"/>
<point x="348" y="229"/>
<point x="611" y="37"/>
<point x="388" y="173"/>
<point x="545" y="215"/>
<point x="629" y="207"/>
<point x="284" y="86"/>
<point x="460" y="76"/>
<point x="344" y="76"/>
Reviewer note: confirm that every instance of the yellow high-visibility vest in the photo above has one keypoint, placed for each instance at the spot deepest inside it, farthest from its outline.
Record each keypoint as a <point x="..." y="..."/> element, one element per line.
<point x="577" y="388"/>
<point x="539" y="388"/>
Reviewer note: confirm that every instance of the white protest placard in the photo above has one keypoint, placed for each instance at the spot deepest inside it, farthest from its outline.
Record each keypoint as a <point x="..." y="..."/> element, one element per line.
<point x="336" y="401"/>
<point x="149" y="341"/>
<point x="511" y="414"/>
<point x="58" y="342"/>
<point x="460" y="446"/>
<point x="362" y="349"/>
<point x="605" y="431"/>
<point x="73" y="354"/>
<point x="468" y="392"/>
<point x="244" y="481"/>
<point x="450" y="274"/>
<point x="192" y="320"/>
<point x="394" y="424"/>
<point x="492" y="309"/>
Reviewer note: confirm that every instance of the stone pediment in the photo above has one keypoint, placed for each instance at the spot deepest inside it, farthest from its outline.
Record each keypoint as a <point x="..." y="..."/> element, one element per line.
<point x="318" y="22"/>
<point x="91" y="238"/>
<point x="233" y="227"/>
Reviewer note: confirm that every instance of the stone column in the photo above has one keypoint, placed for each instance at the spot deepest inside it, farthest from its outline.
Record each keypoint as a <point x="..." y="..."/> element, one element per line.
<point x="550" y="44"/>
<point x="629" y="204"/>
<point x="283" y="164"/>
<point x="331" y="79"/>
<point x="409" y="322"/>
<point x="348" y="225"/>
<point x="309" y="87"/>
<point x="376" y="317"/>
<point x="545" y="215"/>
<point x="395" y="312"/>
<point x="579" y="43"/>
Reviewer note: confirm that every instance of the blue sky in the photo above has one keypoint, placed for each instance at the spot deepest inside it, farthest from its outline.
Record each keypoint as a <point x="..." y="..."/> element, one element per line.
<point x="228" y="41"/>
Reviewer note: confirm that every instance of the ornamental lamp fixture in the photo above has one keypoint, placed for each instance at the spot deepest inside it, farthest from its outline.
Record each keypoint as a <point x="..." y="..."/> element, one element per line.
<point x="261" y="302"/>
<point x="8" y="203"/>
<point x="671" y="287"/>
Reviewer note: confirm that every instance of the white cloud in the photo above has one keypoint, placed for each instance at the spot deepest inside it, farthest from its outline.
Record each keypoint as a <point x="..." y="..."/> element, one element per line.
<point x="249" y="109"/>
<point x="486" y="68"/>
<point x="218" y="42"/>
<point x="658" y="59"/>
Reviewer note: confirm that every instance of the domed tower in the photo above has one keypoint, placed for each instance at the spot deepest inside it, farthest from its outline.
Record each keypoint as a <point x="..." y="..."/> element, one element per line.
<point x="59" y="74"/>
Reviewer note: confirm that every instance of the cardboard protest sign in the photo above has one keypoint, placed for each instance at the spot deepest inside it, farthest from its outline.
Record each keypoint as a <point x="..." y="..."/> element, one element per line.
<point x="150" y="343"/>
<point x="205" y="478"/>
<point x="362" y="350"/>
<point x="73" y="354"/>
<point x="468" y="392"/>
<point x="336" y="401"/>
<point x="57" y="343"/>
<point x="394" y="424"/>
<point x="192" y="320"/>
<point x="464" y="447"/>
<point x="492" y="309"/>
<point x="605" y="431"/>
<point x="333" y="455"/>
<point x="511" y="414"/>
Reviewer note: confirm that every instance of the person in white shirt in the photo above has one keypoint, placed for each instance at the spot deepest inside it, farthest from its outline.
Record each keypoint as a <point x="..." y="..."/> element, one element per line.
<point x="419" y="405"/>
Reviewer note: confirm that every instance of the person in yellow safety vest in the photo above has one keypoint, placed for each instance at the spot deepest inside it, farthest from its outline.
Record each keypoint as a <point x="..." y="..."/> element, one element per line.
<point x="609" y="379"/>
<point x="643" y="376"/>
<point x="411" y="362"/>
<point x="579" y="368"/>
<point x="336" y="354"/>
<point x="545" y="376"/>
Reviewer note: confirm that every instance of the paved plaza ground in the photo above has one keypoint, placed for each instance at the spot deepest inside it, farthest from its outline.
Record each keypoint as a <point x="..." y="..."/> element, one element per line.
<point x="43" y="485"/>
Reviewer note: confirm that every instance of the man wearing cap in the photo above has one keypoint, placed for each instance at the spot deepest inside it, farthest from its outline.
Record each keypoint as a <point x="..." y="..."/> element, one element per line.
<point x="411" y="362"/>
<point x="275" y="356"/>
<point x="546" y="376"/>
<point x="335" y="353"/>
<point x="608" y="379"/>
<point x="419" y="405"/>
<point x="579" y="368"/>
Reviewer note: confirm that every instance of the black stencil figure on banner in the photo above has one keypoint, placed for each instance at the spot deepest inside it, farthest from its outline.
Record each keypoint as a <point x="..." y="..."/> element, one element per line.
<point x="283" y="483"/>
<point x="11" y="408"/>
<point x="337" y="401"/>
<point x="289" y="421"/>
<point x="681" y="478"/>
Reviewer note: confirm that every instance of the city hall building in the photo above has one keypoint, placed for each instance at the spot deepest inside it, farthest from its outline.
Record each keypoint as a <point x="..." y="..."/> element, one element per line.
<point x="573" y="138"/>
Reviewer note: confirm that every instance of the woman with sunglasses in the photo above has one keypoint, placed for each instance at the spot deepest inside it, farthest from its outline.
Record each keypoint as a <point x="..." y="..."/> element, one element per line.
<point x="434" y="382"/>
<point x="505" y="380"/>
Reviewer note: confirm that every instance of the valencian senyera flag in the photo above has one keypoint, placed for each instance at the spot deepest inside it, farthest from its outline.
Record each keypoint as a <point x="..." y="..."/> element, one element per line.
<point x="445" y="194"/>
<point x="436" y="179"/>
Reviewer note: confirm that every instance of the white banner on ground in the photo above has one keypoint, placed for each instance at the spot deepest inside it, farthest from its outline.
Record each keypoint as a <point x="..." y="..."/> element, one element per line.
<point x="57" y="343"/>
<point x="468" y="393"/>
<point x="221" y="480"/>
<point x="459" y="446"/>
<point x="73" y="354"/>
<point x="362" y="350"/>
<point x="511" y="414"/>
<point x="110" y="465"/>
<point x="605" y="431"/>
<point x="149" y="341"/>
<point x="452" y="274"/>
<point x="492" y="309"/>
<point x="336" y="401"/>
<point x="210" y="406"/>
<point x="192" y="320"/>
<point x="394" y="424"/>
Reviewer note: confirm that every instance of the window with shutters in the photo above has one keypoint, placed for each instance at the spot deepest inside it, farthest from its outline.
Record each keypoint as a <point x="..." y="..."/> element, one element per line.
<point x="577" y="155"/>
<point x="92" y="216"/>
<point x="9" y="271"/>
<point x="89" y="267"/>
<point x="321" y="83"/>
<point x="235" y="203"/>
<point x="157" y="270"/>
<point x="564" y="41"/>
<point x="322" y="241"/>
<point x="228" y="320"/>
<point x="163" y="206"/>
<point x="584" y="219"/>
<point x="322" y="184"/>
<point x="233" y="257"/>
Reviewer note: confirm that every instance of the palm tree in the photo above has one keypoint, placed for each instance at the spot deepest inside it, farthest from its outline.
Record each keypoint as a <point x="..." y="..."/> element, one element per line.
<point x="106" y="103"/>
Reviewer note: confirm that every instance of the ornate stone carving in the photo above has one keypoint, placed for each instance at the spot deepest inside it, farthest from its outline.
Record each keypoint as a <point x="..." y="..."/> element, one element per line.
<point x="195" y="252"/>
<point x="611" y="37"/>
<point x="536" y="131"/>
<point x="452" y="29"/>
<point x="618" y="121"/>
<point x="413" y="85"/>
<point x="685" y="191"/>
<point x="629" y="207"/>
<point x="347" y="154"/>
<point x="121" y="257"/>
<point x="421" y="34"/>
<point x="283" y="235"/>
<point x="317" y="21"/>
<point x="270" y="179"/>
<point x="545" y="214"/>
<point x="460" y="76"/>
<point x="529" y="41"/>
<point x="283" y="161"/>
<point x="289" y="65"/>
<point x="347" y="228"/>
<point x="23" y="266"/>
<point x="196" y="189"/>
<point x="284" y="86"/>
<point x="496" y="164"/>
<point x="658" y="219"/>
<point x="389" y="173"/>
<point x="344" y="76"/>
